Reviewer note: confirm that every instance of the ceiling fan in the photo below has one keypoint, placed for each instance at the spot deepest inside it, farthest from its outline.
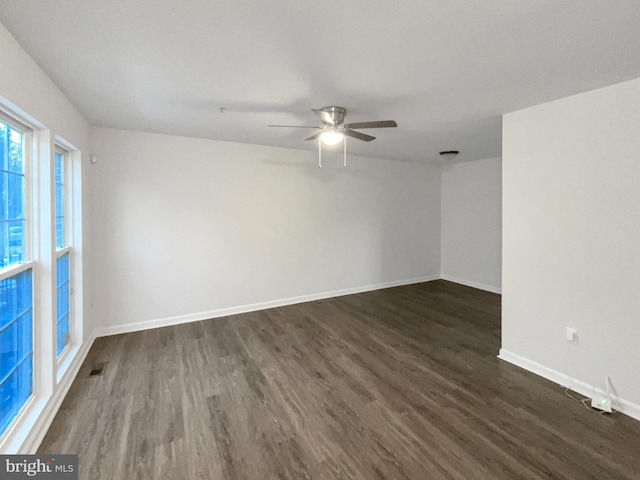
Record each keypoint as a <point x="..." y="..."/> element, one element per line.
<point x="334" y="130"/>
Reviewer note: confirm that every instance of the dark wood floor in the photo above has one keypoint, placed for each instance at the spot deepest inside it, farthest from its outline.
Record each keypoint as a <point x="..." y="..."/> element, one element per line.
<point x="401" y="383"/>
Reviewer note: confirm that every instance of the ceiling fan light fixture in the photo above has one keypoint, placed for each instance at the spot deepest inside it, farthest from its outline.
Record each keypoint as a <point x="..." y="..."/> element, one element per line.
<point x="331" y="138"/>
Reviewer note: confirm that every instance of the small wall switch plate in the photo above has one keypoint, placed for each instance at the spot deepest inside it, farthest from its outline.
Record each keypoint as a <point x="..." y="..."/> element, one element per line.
<point x="601" y="402"/>
<point x="572" y="335"/>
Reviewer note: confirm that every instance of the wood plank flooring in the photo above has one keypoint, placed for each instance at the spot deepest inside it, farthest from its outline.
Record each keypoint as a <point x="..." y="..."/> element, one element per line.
<point x="401" y="383"/>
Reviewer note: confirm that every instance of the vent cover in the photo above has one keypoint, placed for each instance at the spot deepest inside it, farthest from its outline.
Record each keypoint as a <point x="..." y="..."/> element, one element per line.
<point x="98" y="369"/>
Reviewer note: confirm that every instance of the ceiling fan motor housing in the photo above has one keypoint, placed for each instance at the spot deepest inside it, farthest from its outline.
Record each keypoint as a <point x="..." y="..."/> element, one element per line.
<point x="336" y="113"/>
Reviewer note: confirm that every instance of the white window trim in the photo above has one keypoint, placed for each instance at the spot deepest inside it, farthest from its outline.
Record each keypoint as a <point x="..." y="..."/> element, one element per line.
<point x="61" y="251"/>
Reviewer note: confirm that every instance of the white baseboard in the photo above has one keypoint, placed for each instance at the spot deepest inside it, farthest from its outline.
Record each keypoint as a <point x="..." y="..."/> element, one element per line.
<point x="469" y="283"/>
<point x="619" y="404"/>
<point x="39" y="418"/>
<point x="223" y="312"/>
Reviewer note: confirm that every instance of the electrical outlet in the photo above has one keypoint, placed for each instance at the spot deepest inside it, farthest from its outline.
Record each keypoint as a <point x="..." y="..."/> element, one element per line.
<point x="572" y="335"/>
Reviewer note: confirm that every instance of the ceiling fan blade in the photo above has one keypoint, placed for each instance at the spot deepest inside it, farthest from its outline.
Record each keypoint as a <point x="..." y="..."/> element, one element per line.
<point x="378" y="124"/>
<point x="324" y="116"/>
<point x="314" y="136"/>
<point x="358" y="135"/>
<point x="292" y="126"/>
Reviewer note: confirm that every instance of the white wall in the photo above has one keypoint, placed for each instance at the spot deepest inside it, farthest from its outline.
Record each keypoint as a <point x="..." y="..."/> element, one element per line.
<point x="472" y="223"/>
<point x="186" y="228"/>
<point x="571" y="236"/>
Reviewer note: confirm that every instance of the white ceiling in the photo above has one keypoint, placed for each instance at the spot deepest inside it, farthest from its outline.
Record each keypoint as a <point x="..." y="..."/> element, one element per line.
<point x="444" y="70"/>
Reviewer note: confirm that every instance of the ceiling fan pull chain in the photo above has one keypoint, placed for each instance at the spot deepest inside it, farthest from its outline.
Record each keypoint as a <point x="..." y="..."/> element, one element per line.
<point x="319" y="153"/>
<point x="344" y="140"/>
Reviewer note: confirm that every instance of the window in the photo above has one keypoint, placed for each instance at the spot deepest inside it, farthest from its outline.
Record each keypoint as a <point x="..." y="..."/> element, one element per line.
<point x="16" y="276"/>
<point x="41" y="327"/>
<point x="13" y="204"/>
<point x="59" y="179"/>
<point x="63" y="253"/>
<point x="63" y="288"/>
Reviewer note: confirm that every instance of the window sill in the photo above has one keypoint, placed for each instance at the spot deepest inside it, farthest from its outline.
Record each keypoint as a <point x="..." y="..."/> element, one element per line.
<point x="65" y="361"/>
<point x="17" y="433"/>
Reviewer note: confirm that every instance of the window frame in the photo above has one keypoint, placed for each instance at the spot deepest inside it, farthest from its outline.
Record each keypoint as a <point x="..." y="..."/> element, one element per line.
<point x="66" y="249"/>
